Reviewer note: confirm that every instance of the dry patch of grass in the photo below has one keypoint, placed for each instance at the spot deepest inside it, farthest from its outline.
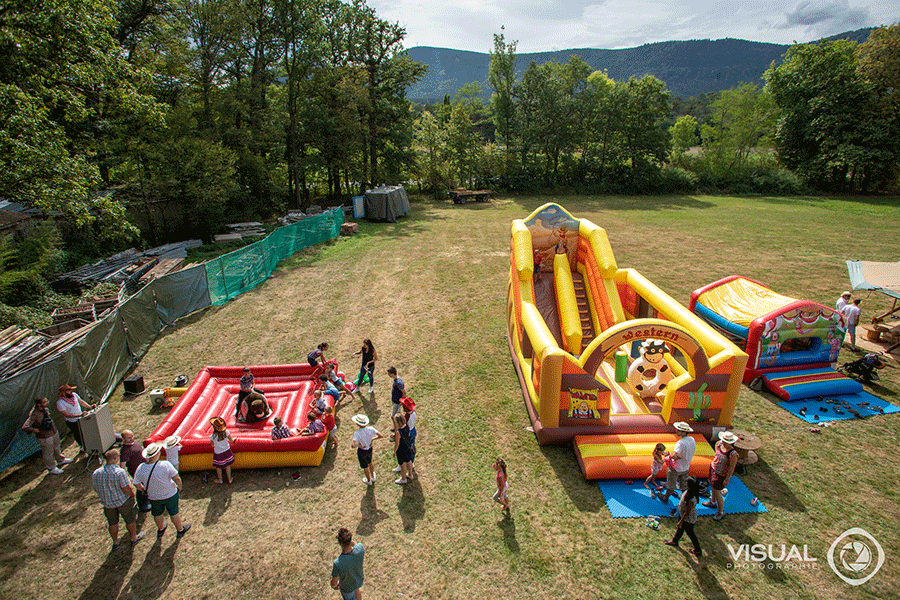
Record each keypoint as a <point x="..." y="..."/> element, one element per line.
<point x="430" y="292"/>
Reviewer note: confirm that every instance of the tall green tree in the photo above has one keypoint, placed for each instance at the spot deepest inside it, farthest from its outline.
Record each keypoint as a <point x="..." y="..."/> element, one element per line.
<point x="502" y="77"/>
<point x="645" y="137"/>
<point x="684" y="137"/>
<point x="743" y="119"/>
<point x="831" y="131"/>
<point x="63" y="79"/>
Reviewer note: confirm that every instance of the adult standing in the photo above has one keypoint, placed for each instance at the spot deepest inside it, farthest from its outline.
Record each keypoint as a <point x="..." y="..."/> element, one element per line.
<point x="347" y="571"/>
<point x="851" y="312"/>
<point x="41" y="425"/>
<point x="682" y="454"/>
<point x="362" y="441"/>
<point x="369" y="356"/>
<point x="842" y="301"/>
<point x="398" y="390"/>
<point x="72" y="407"/>
<point x="720" y="472"/>
<point x="130" y="455"/>
<point x="162" y="483"/>
<point x="117" y="497"/>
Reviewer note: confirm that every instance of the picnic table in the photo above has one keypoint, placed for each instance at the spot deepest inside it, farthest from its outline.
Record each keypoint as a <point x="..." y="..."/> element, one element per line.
<point x="460" y="195"/>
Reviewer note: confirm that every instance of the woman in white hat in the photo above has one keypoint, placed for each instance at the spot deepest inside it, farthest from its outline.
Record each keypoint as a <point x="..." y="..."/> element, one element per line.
<point x="720" y="471"/>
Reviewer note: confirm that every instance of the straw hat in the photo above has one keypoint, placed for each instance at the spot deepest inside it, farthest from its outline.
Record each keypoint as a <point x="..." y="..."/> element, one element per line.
<point x="682" y="426"/>
<point x="152" y="450"/>
<point x="218" y="423"/>
<point x="847" y="294"/>
<point x="361" y="420"/>
<point x="728" y="437"/>
<point x="171" y="441"/>
<point x="64" y="388"/>
<point x="408" y="403"/>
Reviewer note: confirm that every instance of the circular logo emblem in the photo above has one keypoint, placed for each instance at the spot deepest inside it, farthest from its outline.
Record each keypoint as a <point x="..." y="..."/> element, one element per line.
<point x="859" y="556"/>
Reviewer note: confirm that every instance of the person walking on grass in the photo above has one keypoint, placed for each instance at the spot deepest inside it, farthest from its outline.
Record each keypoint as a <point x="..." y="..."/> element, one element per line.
<point x="117" y="497"/>
<point x="362" y="441"/>
<point x="398" y="390"/>
<point x="163" y="486"/>
<point x="501" y="496"/>
<point x="41" y="425"/>
<point x="347" y="574"/>
<point x="851" y="313"/>
<point x="687" y="516"/>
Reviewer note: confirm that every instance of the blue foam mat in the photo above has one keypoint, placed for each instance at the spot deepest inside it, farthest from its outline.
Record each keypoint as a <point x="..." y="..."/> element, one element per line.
<point x="633" y="501"/>
<point x="814" y="414"/>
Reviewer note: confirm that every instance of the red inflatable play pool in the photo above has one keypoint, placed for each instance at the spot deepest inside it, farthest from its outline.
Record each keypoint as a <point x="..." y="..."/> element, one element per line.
<point x="288" y="390"/>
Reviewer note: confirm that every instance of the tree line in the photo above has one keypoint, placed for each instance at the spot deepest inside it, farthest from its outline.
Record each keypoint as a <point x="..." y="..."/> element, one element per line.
<point x="168" y="118"/>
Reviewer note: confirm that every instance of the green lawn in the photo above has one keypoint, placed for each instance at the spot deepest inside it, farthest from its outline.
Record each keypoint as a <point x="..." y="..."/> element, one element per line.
<point x="430" y="292"/>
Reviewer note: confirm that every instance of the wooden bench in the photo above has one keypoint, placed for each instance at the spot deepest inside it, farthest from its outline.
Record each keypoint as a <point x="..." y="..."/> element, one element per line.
<point x="460" y="195"/>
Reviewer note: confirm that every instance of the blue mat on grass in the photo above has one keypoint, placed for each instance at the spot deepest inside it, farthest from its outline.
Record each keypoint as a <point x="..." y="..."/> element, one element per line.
<point x="814" y="406"/>
<point x="632" y="501"/>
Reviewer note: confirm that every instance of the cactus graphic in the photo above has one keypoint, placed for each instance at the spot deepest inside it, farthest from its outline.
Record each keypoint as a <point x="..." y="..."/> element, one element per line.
<point x="698" y="401"/>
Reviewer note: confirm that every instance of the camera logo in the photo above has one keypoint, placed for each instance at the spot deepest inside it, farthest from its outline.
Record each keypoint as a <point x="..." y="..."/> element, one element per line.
<point x="855" y="556"/>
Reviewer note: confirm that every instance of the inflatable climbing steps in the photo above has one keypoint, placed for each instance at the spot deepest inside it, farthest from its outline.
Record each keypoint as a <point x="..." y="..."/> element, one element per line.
<point x="629" y="455"/>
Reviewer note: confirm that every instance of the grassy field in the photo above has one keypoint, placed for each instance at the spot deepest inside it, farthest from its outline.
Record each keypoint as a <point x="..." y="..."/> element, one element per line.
<point x="430" y="292"/>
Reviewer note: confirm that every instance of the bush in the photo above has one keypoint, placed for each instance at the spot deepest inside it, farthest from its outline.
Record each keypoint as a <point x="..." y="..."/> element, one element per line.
<point x="18" y="288"/>
<point x="675" y="179"/>
<point x="26" y="317"/>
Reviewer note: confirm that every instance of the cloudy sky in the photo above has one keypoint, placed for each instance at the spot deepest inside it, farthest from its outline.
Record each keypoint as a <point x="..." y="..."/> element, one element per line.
<point x="543" y="25"/>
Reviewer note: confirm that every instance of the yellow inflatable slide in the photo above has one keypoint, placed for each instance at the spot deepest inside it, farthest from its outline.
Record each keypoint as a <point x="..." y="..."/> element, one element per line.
<point x="602" y="351"/>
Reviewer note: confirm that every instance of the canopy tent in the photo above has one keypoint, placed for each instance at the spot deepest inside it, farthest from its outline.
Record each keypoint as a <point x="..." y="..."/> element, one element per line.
<point x="386" y="203"/>
<point x="883" y="277"/>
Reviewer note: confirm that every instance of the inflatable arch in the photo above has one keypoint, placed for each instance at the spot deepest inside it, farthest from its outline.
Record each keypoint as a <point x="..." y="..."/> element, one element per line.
<point x="571" y="320"/>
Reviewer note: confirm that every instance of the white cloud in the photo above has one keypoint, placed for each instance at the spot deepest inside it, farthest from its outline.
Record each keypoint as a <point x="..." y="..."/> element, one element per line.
<point x="540" y="25"/>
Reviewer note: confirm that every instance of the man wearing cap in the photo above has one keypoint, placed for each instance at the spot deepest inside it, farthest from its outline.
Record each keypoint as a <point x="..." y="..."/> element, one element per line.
<point x="843" y="301"/>
<point x="130" y="455"/>
<point x="41" y="425"/>
<point x="161" y="482"/>
<point x="682" y="454"/>
<point x="117" y="497"/>
<point x="70" y="405"/>
<point x="362" y="441"/>
<point x="720" y="471"/>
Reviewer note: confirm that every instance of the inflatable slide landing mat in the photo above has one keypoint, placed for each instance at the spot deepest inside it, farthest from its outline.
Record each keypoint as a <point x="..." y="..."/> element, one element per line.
<point x="630" y="455"/>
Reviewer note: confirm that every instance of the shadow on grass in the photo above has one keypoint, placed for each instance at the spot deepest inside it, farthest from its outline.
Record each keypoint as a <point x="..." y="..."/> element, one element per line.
<point x="585" y="495"/>
<point x="772" y="489"/>
<point x="508" y="526"/>
<point x="624" y="203"/>
<point x="109" y="578"/>
<point x="371" y="514"/>
<point x="411" y="505"/>
<point x="219" y="502"/>
<point x="155" y="574"/>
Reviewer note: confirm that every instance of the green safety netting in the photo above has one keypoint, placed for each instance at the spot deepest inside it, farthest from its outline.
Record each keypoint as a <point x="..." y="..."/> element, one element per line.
<point x="233" y="274"/>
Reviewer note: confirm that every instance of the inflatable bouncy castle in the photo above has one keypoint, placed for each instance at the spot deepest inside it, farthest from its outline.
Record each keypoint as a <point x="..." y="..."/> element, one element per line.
<point x="604" y="357"/>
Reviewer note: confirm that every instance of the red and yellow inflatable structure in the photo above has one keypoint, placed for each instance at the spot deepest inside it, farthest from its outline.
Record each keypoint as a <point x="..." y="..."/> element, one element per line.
<point x="574" y="328"/>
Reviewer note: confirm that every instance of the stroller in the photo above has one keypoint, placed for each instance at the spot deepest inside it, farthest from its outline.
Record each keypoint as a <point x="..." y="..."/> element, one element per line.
<point x="864" y="369"/>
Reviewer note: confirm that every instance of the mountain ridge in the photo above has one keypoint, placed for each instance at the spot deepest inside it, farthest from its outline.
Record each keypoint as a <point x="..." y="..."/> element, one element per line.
<point x="688" y="67"/>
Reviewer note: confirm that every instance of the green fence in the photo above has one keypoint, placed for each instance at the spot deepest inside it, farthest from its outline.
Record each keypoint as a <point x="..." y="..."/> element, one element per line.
<point x="234" y="273"/>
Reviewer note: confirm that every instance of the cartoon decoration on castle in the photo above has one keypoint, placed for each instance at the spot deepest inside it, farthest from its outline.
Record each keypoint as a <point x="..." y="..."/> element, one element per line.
<point x="650" y="372"/>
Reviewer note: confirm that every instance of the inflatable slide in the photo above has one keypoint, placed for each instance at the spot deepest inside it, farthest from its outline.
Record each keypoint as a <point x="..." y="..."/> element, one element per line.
<point x="601" y="351"/>
<point x="288" y="390"/>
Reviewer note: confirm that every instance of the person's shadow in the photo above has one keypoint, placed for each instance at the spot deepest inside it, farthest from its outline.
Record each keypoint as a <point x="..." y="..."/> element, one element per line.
<point x="371" y="514"/>
<point x="411" y="505"/>
<point x="156" y="572"/>
<point x="219" y="502"/>
<point x="110" y="576"/>
<point x="508" y="526"/>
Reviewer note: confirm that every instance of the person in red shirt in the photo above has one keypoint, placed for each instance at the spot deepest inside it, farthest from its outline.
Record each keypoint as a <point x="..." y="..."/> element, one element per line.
<point x="330" y="426"/>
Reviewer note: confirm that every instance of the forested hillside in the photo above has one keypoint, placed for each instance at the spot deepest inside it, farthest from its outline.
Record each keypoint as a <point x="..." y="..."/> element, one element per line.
<point x="688" y="68"/>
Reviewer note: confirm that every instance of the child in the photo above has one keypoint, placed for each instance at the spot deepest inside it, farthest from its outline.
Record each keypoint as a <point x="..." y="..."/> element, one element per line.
<point x="317" y="356"/>
<point x="362" y="441"/>
<point x="223" y="457"/>
<point x="336" y="381"/>
<point x="318" y="403"/>
<point x="658" y="461"/>
<point x="173" y="445"/>
<point x="369" y="356"/>
<point x="402" y="450"/>
<point x="326" y="387"/>
<point x="537" y="264"/>
<point x="501" y="496"/>
<point x="328" y="422"/>
<point x="313" y="424"/>
<point x="280" y="430"/>
<point x="247" y="388"/>
<point x="687" y="513"/>
<point x="398" y="390"/>
<point x="409" y="412"/>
